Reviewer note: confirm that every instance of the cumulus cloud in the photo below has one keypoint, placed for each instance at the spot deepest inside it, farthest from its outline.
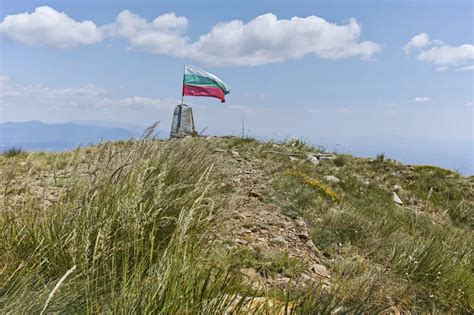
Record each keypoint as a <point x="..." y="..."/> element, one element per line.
<point x="264" y="39"/>
<point x="421" y="99"/>
<point x="416" y="42"/>
<point x="440" y="54"/>
<point x="448" y="55"/>
<point x="267" y="39"/>
<point x="164" y="35"/>
<point x="48" y="27"/>
<point x="86" y="96"/>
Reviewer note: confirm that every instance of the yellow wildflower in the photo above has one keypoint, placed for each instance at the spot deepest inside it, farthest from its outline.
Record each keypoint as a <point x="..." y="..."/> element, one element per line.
<point x="317" y="184"/>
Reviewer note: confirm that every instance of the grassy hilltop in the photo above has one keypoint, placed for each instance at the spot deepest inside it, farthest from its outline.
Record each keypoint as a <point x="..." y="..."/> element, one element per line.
<point x="230" y="225"/>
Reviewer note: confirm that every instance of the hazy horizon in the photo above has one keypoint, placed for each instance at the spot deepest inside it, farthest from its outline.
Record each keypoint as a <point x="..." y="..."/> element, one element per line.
<point x="455" y="155"/>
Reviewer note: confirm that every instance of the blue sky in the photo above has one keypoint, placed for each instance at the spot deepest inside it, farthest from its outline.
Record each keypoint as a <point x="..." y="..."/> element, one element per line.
<point x="319" y="74"/>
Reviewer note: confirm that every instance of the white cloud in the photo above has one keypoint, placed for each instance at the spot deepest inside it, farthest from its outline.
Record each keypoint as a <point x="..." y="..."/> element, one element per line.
<point x="421" y="99"/>
<point x="448" y="55"/>
<point x="82" y="97"/>
<point x="468" y="104"/>
<point x="441" y="55"/>
<point x="267" y="39"/>
<point x="417" y="42"/>
<point x="48" y="27"/>
<point x="164" y="35"/>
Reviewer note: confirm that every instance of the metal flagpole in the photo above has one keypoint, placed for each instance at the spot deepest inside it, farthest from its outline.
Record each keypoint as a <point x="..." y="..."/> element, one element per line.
<point x="182" y="88"/>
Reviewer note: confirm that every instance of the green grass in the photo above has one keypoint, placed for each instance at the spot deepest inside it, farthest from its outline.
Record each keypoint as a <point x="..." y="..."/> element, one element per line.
<point x="267" y="263"/>
<point x="410" y="259"/>
<point x="127" y="232"/>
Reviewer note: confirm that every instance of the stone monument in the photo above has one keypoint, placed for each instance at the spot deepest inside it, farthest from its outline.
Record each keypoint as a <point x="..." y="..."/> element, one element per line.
<point x="183" y="122"/>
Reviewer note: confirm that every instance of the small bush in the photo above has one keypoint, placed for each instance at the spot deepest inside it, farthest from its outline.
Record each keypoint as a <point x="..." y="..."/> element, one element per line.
<point x="13" y="151"/>
<point x="340" y="161"/>
<point x="380" y="157"/>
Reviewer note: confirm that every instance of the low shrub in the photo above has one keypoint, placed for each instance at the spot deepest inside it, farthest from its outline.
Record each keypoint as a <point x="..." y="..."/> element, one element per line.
<point x="13" y="151"/>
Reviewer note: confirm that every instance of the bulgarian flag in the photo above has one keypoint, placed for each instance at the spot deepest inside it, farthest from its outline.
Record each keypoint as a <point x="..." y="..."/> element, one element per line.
<point x="197" y="82"/>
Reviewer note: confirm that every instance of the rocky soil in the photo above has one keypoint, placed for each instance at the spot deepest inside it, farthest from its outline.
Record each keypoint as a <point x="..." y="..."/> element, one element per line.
<point x="249" y="221"/>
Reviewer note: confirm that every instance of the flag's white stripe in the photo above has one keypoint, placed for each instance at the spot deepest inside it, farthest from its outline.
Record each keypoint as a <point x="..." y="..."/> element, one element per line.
<point x="191" y="70"/>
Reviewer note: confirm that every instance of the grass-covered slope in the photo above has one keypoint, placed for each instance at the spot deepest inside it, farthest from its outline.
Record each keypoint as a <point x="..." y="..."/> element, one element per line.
<point x="226" y="225"/>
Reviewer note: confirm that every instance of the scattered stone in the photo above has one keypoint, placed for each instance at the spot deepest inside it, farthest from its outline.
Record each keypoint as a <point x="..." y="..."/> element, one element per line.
<point x="320" y="270"/>
<point x="293" y="159"/>
<point x="250" y="273"/>
<point x="238" y="215"/>
<point x="252" y="277"/>
<point x="395" y="310"/>
<point x="235" y="153"/>
<point x="327" y="157"/>
<point x="300" y="222"/>
<point x="397" y="187"/>
<point x="313" y="159"/>
<point x="255" y="194"/>
<point x="278" y="240"/>
<point x="241" y="241"/>
<point x="306" y="277"/>
<point x="284" y="280"/>
<point x="262" y="240"/>
<point x="397" y="199"/>
<point x="303" y="234"/>
<point x="332" y="179"/>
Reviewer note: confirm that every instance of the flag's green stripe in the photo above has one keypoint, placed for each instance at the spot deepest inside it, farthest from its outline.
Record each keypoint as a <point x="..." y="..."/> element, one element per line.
<point x="190" y="79"/>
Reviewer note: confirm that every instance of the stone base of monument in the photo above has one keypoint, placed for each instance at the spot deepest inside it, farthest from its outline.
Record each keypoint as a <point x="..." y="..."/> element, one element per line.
<point x="183" y="122"/>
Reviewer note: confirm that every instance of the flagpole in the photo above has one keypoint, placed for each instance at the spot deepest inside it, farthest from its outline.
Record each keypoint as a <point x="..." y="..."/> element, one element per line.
<point x="182" y="87"/>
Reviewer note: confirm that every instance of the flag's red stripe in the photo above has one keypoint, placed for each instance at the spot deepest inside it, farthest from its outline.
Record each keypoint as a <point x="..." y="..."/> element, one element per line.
<point x="212" y="91"/>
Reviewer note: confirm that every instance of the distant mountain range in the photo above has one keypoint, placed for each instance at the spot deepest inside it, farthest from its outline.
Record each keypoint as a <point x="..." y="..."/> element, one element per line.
<point x="36" y="135"/>
<point x="136" y="129"/>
